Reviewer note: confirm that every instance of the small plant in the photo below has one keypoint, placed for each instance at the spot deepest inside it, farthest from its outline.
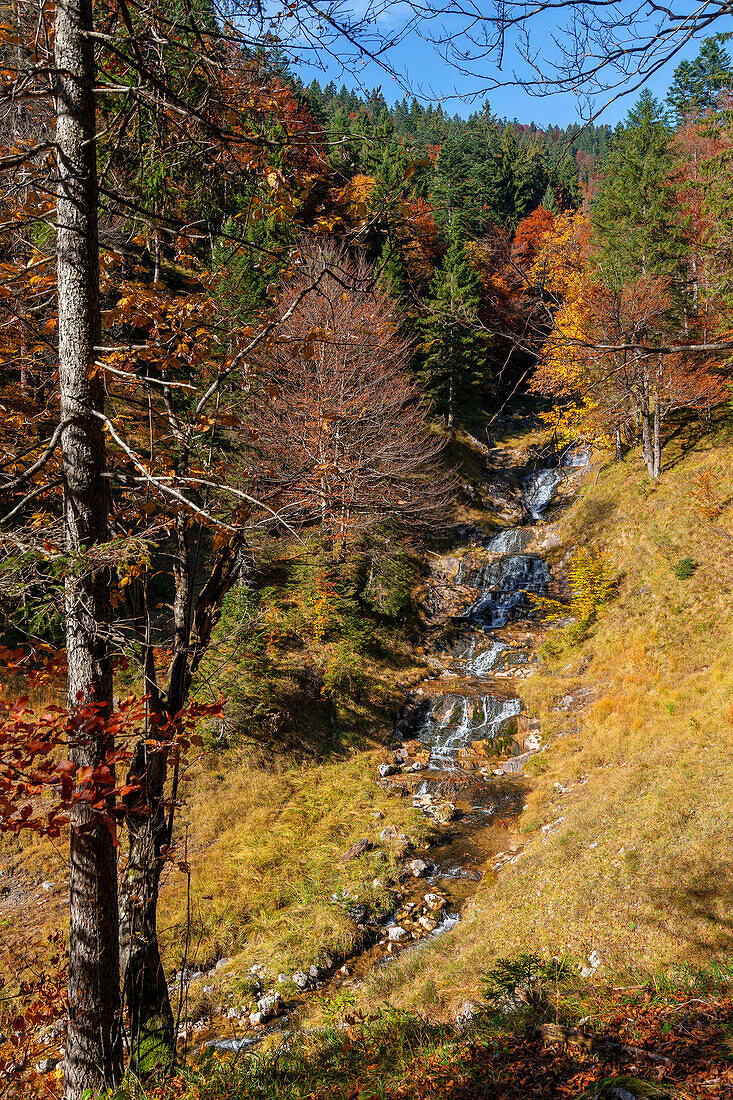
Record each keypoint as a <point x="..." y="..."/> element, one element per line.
<point x="514" y="980"/>
<point x="684" y="569"/>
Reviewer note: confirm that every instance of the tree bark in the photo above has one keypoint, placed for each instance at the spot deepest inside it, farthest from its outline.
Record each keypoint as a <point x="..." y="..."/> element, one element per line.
<point x="617" y="441"/>
<point x="94" y="1041"/>
<point x="646" y="428"/>
<point x="657" y="441"/>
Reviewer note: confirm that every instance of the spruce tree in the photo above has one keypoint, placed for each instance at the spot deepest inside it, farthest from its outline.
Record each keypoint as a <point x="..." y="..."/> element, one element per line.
<point x="698" y="85"/>
<point x="455" y="367"/>
<point x="636" y="226"/>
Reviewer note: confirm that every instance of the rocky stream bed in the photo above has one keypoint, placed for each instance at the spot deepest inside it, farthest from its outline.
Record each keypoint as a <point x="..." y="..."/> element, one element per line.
<point x="462" y="742"/>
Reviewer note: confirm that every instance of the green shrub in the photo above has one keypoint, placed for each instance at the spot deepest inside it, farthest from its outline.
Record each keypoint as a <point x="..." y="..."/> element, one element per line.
<point x="684" y="569"/>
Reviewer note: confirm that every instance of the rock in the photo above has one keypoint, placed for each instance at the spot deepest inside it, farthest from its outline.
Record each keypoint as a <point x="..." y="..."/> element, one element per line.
<point x="358" y="914"/>
<point x="385" y="770"/>
<point x="270" y="1004"/>
<point x="465" y="1015"/>
<point x="282" y="979"/>
<point x="315" y="973"/>
<point x="434" y="902"/>
<point x="396" y="933"/>
<point x="388" y="834"/>
<point x="232" y="1014"/>
<point x="418" y="867"/>
<point x="444" y="813"/>
<point x="222" y="963"/>
<point x="427" y="923"/>
<point x="345" y="972"/>
<point x="301" y="979"/>
<point x="256" y="1018"/>
<point x="377" y="884"/>
<point x="47" y="886"/>
<point x="357" y="849"/>
<point x="47" y="1065"/>
<point x="402" y="845"/>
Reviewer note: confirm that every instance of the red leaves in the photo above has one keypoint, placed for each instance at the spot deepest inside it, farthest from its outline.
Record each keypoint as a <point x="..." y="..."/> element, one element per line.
<point x="24" y="779"/>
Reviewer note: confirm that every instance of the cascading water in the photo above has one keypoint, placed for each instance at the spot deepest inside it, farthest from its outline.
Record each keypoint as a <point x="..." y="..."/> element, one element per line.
<point x="539" y="489"/>
<point x="512" y="541"/>
<point x="458" y="720"/>
<point x="507" y="583"/>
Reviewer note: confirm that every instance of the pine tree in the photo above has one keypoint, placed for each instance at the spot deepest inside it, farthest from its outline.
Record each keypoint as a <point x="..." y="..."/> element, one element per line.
<point x="455" y="367"/>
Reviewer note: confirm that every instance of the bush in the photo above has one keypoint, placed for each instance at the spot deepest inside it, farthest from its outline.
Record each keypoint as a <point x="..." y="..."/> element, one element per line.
<point x="684" y="569"/>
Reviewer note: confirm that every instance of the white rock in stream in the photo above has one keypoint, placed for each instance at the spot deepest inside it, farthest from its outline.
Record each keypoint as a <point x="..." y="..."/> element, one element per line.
<point x="396" y="933"/>
<point x="270" y="1004"/>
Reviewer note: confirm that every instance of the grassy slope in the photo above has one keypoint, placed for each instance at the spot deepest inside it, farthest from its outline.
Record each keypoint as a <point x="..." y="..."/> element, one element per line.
<point x="640" y="868"/>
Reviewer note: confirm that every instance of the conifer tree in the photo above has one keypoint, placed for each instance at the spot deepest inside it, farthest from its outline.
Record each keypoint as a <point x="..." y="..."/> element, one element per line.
<point x="455" y="367"/>
<point x="635" y="223"/>
<point x="697" y="85"/>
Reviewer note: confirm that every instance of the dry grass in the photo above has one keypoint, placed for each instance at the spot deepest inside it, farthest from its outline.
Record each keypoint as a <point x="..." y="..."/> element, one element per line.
<point x="264" y="850"/>
<point x="638" y="776"/>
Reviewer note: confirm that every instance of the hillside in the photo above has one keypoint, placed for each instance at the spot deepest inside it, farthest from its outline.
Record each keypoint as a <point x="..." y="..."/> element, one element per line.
<point x="614" y="910"/>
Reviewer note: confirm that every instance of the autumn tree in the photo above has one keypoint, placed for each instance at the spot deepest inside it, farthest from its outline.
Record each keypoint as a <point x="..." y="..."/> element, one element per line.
<point x="140" y="94"/>
<point x="342" y="431"/>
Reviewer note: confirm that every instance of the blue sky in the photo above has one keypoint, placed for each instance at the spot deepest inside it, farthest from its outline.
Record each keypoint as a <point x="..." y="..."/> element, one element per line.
<point x="431" y="78"/>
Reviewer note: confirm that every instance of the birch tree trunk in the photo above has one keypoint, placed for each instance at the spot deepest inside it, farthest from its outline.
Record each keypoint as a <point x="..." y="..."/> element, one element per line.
<point x="94" y="1043"/>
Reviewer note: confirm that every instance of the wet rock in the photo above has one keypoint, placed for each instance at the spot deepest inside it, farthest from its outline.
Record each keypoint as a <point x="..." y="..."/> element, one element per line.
<point x="358" y="914"/>
<point x="396" y="933"/>
<point x="357" y="849"/>
<point x="427" y="923"/>
<point x="270" y="1004"/>
<point x="418" y="867"/>
<point x="434" y="902"/>
<point x="301" y="979"/>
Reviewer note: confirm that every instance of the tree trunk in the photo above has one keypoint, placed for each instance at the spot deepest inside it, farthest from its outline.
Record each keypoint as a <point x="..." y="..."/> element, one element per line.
<point x="657" y="443"/>
<point x="617" y="441"/>
<point x="646" y="429"/>
<point x="94" y="1041"/>
<point x="152" y="1038"/>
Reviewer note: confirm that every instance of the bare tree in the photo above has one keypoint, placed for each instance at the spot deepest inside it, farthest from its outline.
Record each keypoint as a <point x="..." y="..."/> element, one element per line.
<point x="342" y="429"/>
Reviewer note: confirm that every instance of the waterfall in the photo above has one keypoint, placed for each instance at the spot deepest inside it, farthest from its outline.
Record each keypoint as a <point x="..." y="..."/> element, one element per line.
<point x="507" y="582"/>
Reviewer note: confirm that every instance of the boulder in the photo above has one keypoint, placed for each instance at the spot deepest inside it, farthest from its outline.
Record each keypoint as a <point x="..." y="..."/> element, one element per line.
<point x="397" y="933"/>
<point x="301" y="979"/>
<point x="270" y="1004"/>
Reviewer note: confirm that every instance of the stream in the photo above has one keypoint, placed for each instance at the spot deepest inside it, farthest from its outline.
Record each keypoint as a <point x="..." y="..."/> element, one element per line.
<point x="463" y="738"/>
